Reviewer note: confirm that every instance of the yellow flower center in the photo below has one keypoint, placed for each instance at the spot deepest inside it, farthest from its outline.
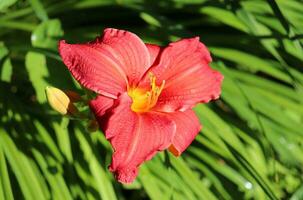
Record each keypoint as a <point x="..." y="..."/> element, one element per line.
<point x="144" y="100"/>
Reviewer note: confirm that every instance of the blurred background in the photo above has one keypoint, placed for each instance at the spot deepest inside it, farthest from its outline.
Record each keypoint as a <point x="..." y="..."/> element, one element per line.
<point x="251" y="144"/>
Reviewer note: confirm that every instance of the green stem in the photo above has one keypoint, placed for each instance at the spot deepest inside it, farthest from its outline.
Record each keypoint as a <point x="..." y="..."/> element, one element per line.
<point x="18" y="25"/>
<point x="16" y="14"/>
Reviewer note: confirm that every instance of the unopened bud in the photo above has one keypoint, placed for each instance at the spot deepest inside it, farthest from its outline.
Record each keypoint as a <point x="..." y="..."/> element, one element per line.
<point x="59" y="101"/>
<point x="92" y="126"/>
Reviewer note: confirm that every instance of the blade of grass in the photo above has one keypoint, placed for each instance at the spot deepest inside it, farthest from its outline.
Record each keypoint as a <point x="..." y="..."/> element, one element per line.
<point x="103" y="182"/>
<point x="18" y="25"/>
<point x="6" y="3"/>
<point x="193" y="181"/>
<point x="21" y="166"/>
<point x="58" y="186"/>
<point x="250" y="169"/>
<point x="39" y="9"/>
<point x="5" y="184"/>
<point x="298" y="195"/>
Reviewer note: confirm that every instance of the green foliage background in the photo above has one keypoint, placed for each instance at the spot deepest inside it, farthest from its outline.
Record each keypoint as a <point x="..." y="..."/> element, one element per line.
<point x="251" y="144"/>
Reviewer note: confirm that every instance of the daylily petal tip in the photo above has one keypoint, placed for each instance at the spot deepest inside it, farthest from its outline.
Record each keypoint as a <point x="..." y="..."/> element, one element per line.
<point x="125" y="176"/>
<point x="188" y="127"/>
<point x="64" y="49"/>
<point x="172" y="149"/>
<point x="61" y="43"/>
<point x="113" y="31"/>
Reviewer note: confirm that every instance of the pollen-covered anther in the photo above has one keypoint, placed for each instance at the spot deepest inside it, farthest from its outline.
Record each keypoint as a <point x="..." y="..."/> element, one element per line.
<point x="143" y="99"/>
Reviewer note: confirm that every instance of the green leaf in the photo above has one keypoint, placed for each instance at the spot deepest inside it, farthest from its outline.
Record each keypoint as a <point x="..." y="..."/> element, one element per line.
<point x="46" y="35"/>
<point x="36" y="66"/>
<point x="150" y="19"/>
<point x="225" y="17"/>
<point x="22" y="167"/>
<point x="298" y="195"/>
<point x="103" y="183"/>
<point x="193" y="181"/>
<point x="57" y="183"/>
<point x="251" y="62"/>
<point x="254" y="173"/>
<point x="149" y="182"/>
<point x="6" y="3"/>
<point x="6" y="69"/>
<point x="5" y="184"/>
<point x="39" y="9"/>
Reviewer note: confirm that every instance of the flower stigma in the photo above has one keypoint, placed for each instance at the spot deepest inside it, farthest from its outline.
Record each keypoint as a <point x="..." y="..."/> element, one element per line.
<point x="144" y="100"/>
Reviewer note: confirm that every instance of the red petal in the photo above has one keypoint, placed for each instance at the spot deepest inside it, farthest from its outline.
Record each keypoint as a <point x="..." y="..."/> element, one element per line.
<point x="135" y="138"/>
<point x="107" y="64"/>
<point x="188" y="126"/>
<point x="100" y="105"/>
<point x="93" y="68"/>
<point x="130" y="50"/>
<point x="189" y="79"/>
<point x="154" y="51"/>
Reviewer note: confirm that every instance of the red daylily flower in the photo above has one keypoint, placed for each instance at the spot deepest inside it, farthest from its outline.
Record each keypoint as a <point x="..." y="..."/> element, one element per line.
<point x="145" y="93"/>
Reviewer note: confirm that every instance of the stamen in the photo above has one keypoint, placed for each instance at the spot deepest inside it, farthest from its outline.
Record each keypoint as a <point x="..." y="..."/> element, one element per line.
<point x="144" y="101"/>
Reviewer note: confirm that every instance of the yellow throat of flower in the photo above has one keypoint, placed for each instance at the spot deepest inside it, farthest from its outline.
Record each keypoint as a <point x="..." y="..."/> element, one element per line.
<point x="144" y="100"/>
